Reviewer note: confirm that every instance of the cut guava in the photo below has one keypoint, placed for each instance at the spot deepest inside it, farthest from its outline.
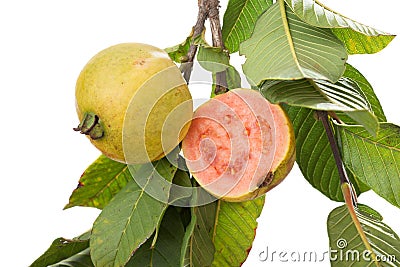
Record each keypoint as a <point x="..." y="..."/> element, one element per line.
<point x="239" y="145"/>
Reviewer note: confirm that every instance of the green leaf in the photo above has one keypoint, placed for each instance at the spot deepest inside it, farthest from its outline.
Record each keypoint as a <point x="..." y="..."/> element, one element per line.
<point x="358" y="38"/>
<point x="169" y="242"/>
<point x="200" y="250"/>
<point x="345" y="95"/>
<point x="374" y="160"/>
<point x="239" y="20"/>
<point x="234" y="231"/>
<point x="186" y="249"/>
<point x="131" y="216"/>
<point x="186" y="256"/>
<point x="81" y="259"/>
<point x="371" y="212"/>
<point x="100" y="182"/>
<point x="178" y="52"/>
<point x="62" y="249"/>
<point x="358" y="43"/>
<point x="353" y="74"/>
<point x="347" y="246"/>
<point x="284" y="47"/>
<point x="213" y="59"/>
<point x="233" y="79"/>
<point x="200" y="40"/>
<point x="181" y="191"/>
<point x="314" y="155"/>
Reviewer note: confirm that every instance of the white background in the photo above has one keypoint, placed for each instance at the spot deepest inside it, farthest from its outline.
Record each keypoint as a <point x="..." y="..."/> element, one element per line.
<point x="43" y="47"/>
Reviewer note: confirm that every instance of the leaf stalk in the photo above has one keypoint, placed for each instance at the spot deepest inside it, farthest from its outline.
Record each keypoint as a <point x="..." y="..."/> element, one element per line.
<point x="344" y="179"/>
<point x="347" y="189"/>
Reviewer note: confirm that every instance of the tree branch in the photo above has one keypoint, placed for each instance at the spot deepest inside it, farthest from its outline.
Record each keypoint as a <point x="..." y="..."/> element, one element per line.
<point x="221" y="85"/>
<point x="207" y="9"/>
<point x="215" y="25"/>
<point x="198" y="28"/>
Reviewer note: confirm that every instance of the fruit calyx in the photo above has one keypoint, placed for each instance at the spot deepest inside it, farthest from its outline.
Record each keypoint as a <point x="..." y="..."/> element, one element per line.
<point x="91" y="126"/>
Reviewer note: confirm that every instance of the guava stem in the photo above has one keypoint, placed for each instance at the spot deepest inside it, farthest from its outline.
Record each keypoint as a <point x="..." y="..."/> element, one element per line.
<point x="207" y="9"/>
<point x="90" y="125"/>
<point x="198" y="28"/>
<point x="344" y="179"/>
<point x="221" y="85"/>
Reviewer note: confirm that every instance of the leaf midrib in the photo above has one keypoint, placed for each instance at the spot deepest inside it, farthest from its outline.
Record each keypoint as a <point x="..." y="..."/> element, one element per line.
<point x="288" y="34"/>
<point x="217" y="210"/>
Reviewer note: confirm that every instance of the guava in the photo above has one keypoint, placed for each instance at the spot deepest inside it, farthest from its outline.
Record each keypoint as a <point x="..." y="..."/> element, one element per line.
<point x="133" y="103"/>
<point x="239" y="146"/>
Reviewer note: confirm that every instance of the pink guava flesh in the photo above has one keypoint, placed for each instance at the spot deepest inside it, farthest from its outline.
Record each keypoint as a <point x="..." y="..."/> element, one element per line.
<point x="234" y="142"/>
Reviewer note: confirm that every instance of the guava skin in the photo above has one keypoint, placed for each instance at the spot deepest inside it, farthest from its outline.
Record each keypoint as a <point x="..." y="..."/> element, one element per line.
<point x="239" y="145"/>
<point x="125" y="87"/>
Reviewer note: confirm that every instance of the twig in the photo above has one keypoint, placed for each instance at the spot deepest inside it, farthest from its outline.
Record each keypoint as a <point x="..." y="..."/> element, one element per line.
<point x="207" y="9"/>
<point x="344" y="179"/>
<point x="198" y="28"/>
<point x="221" y="85"/>
<point x="215" y="25"/>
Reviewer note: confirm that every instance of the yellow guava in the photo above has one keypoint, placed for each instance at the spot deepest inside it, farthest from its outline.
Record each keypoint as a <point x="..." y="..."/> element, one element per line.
<point x="133" y="103"/>
<point x="239" y="146"/>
